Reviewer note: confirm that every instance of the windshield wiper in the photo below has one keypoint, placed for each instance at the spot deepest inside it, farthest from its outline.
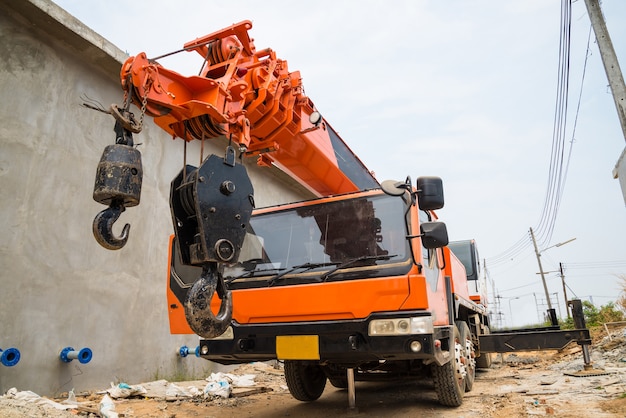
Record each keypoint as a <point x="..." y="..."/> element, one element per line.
<point x="305" y="266"/>
<point x="252" y="273"/>
<point x="353" y="261"/>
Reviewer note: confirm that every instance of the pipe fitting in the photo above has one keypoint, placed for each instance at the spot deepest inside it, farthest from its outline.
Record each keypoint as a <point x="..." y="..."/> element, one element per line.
<point x="9" y="357"/>
<point x="184" y="351"/>
<point x="83" y="355"/>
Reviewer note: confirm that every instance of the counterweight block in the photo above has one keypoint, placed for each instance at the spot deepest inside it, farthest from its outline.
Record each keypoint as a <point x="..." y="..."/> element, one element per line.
<point x="119" y="176"/>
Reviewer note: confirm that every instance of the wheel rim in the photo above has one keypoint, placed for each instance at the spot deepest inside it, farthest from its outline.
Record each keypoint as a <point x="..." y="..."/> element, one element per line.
<point x="459" y="360"/>
<point x="469" y="354"/>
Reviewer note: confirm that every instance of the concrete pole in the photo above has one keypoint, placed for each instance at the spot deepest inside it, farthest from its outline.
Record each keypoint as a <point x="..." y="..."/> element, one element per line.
<point x="616" y="80"/>
<point x="609" y="59"/>
<point x="564" y="290"/>
<point x="537" y="308"/>
<point x="543" y="276"/>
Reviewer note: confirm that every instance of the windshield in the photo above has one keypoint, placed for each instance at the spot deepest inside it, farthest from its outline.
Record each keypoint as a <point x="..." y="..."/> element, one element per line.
<point x="351" y="238"/>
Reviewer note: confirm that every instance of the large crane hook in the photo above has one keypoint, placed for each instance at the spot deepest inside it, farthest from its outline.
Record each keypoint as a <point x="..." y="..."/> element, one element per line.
<point x="118" y="185"/>
<point x="198" y="313"/>
<point x="103" y="227"/>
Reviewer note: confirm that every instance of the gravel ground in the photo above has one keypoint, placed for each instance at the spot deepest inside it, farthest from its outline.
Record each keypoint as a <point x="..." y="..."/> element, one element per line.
<point x="523" y="384"/>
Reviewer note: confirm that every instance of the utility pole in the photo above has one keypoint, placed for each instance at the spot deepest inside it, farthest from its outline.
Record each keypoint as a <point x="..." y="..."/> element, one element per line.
<point x="537" y="308"/>
<point x="498" y="311"/>
<point x="543" y="276"/>
<point x="564" y="290"/>
<point x="551" y="312"/>
<point x="615" y="77"/>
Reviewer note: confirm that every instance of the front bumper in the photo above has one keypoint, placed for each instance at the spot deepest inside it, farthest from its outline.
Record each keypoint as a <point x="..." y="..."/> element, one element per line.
<point x="343" y="342"/>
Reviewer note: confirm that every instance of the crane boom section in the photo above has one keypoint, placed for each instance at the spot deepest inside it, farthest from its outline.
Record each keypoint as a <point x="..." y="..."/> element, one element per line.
<point x="250" y="95"/>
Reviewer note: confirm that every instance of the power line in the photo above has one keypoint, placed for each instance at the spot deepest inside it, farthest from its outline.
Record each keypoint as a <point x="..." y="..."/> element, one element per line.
<point x="556" y="178"/>
<point x="559" y="165"/>
<point x="595" y="264"/>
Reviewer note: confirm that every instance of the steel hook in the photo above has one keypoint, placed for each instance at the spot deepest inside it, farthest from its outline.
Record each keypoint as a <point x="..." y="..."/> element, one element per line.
<point x="103" y="227"/>
<point x="200" y="317"/>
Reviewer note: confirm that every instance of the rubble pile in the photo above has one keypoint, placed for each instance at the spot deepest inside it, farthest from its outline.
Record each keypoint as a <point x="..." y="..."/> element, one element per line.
<point x="226" y="389"/>
<point x="530" y="383"/>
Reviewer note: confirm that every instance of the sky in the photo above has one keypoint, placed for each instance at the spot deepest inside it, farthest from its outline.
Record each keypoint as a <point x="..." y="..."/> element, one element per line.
<point x="466" y="91"/>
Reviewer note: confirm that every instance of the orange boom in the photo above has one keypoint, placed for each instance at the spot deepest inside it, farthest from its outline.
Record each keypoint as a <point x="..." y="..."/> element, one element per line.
<point x="250" y="94"/>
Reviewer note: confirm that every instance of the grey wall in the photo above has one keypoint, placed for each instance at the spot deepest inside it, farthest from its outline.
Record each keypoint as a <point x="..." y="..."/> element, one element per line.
<point x="58" y="287"/>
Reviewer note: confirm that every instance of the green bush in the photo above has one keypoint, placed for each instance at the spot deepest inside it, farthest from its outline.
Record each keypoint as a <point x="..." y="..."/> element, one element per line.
<point x="595" y="317"/>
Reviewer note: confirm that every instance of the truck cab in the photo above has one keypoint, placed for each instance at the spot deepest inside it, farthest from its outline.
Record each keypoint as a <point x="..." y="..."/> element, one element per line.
<point x="467" y="252"/>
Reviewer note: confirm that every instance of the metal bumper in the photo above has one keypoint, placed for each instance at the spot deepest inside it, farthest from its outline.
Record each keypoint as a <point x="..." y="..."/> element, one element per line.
<point x="339" y="342"/>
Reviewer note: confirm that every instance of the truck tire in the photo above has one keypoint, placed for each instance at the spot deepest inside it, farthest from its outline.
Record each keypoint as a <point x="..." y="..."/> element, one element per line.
<point x="469" y="359"/>
<point x="306" y="380"/>
<point x="449" y="382"/>
<point x="484" y="360"/>
<point x="338" y="382"/>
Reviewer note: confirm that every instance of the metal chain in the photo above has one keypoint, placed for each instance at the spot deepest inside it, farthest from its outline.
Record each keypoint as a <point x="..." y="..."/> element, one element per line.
<point x="144" y="102"/>
<point x="126" y="102"/>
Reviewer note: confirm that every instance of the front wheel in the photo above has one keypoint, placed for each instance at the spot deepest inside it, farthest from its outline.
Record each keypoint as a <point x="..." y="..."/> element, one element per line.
<point x="305" y="379"/>
<point x="448" y="378"/>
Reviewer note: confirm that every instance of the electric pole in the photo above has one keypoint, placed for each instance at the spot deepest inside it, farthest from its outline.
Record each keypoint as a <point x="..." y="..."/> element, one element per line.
<point x="615" y="77"/>
<point x="564" y="290"/>
<point x="543" y="276"/>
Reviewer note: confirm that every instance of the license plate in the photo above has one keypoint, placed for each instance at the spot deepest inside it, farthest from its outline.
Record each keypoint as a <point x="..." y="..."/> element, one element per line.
<point x="297" y="347"/>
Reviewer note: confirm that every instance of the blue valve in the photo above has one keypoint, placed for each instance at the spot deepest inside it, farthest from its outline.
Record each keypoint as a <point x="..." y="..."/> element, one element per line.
<point x="68" y="354"/>
<point x="9" y="357"/>
<point x="184" y="351"/>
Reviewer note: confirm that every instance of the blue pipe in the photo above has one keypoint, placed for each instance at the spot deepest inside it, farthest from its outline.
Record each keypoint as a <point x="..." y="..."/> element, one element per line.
<point x="68" y="354"/>
<point x="9" y="357"/>
<point x="184" y="351"/>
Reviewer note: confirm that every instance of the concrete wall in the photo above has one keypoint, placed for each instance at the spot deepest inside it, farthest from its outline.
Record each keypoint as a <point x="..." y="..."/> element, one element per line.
<point x="58" y="286"/>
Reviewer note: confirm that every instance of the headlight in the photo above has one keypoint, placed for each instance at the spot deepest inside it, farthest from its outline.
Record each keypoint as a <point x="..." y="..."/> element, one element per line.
<point x="401" y="326"/>
<point x="422" y="325"/>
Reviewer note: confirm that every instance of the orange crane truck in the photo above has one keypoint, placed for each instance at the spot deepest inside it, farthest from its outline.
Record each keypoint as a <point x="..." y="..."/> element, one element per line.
<point x="355" y="284"/>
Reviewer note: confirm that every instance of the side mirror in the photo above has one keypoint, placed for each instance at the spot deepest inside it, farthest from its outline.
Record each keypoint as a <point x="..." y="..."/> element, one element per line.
<point x="429" y="193"/>
<point x="434" y="234"/>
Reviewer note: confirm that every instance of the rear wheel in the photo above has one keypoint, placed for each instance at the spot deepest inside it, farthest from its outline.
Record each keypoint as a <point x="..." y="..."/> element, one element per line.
<point x="306" y="380"/>
<point x="484" y="360"/>
<point x="338" y="382"/>
<point x="469" y="356"/>
<point x="448" y="378"/>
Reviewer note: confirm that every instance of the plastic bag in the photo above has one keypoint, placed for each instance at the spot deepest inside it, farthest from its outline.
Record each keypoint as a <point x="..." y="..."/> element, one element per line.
<point x="107" y="407"/>
<point x="220" y="388"/>
<point x="124" y="390"/>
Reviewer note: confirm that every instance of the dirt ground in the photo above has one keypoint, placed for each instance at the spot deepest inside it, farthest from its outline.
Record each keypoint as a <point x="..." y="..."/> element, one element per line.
<point x="523" y="384"/>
